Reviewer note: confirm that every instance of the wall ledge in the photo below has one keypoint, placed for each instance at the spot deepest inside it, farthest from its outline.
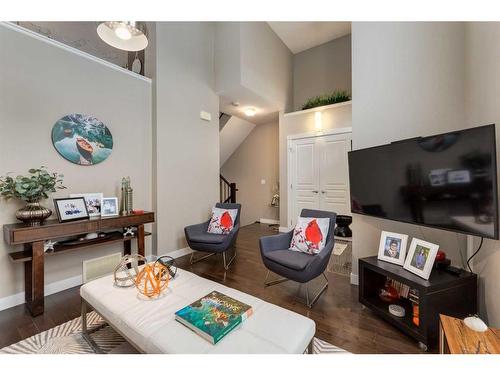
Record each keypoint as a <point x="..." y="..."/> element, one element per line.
<point x="88" y="56"/>
<point x="318" y="109"/>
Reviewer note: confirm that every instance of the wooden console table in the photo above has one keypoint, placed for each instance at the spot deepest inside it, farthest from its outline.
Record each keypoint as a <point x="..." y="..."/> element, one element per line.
<point x="33" y="255"/>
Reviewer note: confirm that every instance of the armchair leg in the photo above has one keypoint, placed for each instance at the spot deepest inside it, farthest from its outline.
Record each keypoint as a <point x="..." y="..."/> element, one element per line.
<point x="228" y="263"/>
<point x="310" y="303"/>
<point x="193" y="261"/>
<point x="273" y="282"/>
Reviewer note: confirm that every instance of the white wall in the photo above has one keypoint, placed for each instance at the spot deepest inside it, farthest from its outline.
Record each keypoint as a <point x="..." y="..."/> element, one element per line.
<point x="408" y="80"/>
<point x="482" y="89"/>
<point x="39" y="83"/>
<point x="186" y="151"/>
<point x="232" y="135"/>
<point x="322" y="69"/>
<point x="300" y="122"/>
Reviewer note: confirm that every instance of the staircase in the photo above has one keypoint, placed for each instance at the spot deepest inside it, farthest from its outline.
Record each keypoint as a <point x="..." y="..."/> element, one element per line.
<point x="227" y="190"/>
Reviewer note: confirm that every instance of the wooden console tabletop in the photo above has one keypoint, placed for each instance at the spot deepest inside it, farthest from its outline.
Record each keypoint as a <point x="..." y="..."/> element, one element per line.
<point x="33" y="255"/>
<point x="456" y="338"/>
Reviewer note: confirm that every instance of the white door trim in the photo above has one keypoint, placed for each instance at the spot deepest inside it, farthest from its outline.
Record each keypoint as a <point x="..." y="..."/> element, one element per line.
<point x="290" y="176"/>
<point x="319" y="134"/>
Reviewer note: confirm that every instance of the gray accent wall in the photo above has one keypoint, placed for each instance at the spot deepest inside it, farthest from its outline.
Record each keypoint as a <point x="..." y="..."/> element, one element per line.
<point x="322" y="69"/>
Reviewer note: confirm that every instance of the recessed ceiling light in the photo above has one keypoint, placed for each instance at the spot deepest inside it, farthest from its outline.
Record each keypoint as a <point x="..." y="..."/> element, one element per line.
<point x="124" y="35"/>
<point x="250" y="112"/>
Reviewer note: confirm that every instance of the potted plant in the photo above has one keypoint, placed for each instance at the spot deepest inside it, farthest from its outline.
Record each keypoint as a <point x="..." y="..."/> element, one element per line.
<point x="31" y="189"/>
<point x="337" y="96"/>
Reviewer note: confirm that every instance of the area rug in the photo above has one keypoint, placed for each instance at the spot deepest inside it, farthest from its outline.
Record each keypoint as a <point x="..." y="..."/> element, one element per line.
<point x="66" y="339"/>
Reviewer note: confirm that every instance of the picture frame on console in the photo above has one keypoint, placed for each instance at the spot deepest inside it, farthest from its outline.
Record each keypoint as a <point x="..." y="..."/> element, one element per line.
<point x="421" y="256"/>
<point x="392" y="247"/>
<point x="70" y="209"/>
<point x="109" y="207"/>
<point x="93" y="201"/>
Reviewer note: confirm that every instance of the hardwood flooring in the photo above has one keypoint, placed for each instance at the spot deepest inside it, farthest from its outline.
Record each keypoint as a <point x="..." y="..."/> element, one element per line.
<point x="340" y="318"/>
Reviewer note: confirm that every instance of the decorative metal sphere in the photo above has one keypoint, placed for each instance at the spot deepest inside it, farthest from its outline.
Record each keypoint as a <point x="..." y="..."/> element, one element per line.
<point x="168" y="262"/>
<point x="152" y="279"/>
<point x="127" y="270"/>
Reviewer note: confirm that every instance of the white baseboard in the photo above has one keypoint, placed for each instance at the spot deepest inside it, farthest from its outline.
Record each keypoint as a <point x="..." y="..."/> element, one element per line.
<point x="269" y="221"/>
<point x="55" y="287"/>
<point x="284" y="229"/>
<point x="58" y="286"/>
<point x="354" y="279"/>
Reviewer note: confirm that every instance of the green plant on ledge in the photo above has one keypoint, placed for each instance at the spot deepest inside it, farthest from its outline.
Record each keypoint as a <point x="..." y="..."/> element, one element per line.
<point x="31" y="189"/>
<point x="338" y="96"/>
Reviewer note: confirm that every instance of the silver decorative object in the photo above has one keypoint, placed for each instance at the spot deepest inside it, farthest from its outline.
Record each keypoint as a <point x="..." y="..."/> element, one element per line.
<point x="126" y="272"/>
<point x="48" y="245"/>
<point x="127" y="199"/>
<point x="129" y="231"/>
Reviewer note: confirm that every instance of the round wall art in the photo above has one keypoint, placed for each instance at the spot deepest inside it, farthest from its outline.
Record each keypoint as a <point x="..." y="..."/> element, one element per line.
<point x="82" y="139"/>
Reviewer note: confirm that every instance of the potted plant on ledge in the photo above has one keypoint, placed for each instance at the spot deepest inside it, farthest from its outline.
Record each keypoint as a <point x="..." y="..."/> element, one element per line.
<point x="31" y="189"/>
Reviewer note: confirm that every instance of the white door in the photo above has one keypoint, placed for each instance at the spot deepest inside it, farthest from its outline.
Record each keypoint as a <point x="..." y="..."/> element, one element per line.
<point x="305" y="172"/>
<point x="319" y="175"/>
<point x="334" y="173"/>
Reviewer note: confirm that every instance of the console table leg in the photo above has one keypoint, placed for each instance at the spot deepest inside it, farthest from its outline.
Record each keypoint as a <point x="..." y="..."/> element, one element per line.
<point x="34" y="279"/>
<point x="140" y="240"/>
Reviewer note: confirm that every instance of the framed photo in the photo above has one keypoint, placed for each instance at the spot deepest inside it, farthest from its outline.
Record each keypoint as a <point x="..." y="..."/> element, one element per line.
<point x="392" y="247"/>
<point x="421" y="258"/>
<point x="109" y="206"/>
<point x="69" y="209"/>
<point x="93" y="201"/>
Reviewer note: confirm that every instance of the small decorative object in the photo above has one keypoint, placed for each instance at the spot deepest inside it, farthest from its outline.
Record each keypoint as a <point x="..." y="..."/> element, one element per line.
<point x="93" y="201"/>
<point x="416" y="315"/>
<point x="69" y="209"/>
<point x="109" y="206"/>
<point x="49" y="245"/>
<point x="31" y="189"/>
<point x="127" y="270"/>
<point x="392" y="247"/>
<point x="137" y="212"/>
<point x="441" y="261"/>
<point x="91" y="236"/>
<point x="152" y="279"/>
<point x="397" y="310"/>
<point x="136" y="64"/>
<point x="342" y="228"/>
<point x="129" y="231"/>
<point x="475" y="323"/>
<point x="421" y="258"/>
<point x="337" y="96"/>
<point x="388" y="293"/>
<point x="275" y="201"/>
<point x="127" y="202"/>
<point x="82" y="139"/>
<point x="169" y="263"/>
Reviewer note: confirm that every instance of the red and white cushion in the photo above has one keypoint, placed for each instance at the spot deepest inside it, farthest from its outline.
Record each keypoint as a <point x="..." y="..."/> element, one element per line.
<point x="222" y="221"/>
<point x="309" y="234"/>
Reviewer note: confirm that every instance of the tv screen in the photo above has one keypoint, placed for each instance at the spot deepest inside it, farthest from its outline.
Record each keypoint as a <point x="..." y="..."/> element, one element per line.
<point x="446" y="181"/>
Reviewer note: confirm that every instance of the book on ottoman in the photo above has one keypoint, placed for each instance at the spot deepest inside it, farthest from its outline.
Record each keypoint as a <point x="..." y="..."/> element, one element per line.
<point x="214" y="316"/>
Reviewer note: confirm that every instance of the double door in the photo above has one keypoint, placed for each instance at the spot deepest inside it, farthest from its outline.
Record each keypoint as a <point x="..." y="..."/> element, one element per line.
<point x="319" y="174"/>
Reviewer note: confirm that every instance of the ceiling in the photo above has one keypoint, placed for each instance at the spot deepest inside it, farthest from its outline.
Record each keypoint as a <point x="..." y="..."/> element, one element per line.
<point x="300" y="36"/>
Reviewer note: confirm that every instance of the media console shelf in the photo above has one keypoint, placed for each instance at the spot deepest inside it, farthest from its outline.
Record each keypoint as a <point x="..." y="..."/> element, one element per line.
<point x="443" y="293"/>
<point x="33" y="238"/>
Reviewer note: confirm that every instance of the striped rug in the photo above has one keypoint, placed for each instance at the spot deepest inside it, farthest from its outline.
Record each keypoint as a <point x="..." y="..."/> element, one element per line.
<point x="66" y="339"/>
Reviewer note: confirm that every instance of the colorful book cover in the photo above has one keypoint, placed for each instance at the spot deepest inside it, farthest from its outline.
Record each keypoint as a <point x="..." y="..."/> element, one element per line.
<point x="214" y="316"/>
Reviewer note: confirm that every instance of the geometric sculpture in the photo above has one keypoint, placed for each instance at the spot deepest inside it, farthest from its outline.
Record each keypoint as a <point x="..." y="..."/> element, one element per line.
<point x="152" y="279"/>
<point x="127" y="270"/>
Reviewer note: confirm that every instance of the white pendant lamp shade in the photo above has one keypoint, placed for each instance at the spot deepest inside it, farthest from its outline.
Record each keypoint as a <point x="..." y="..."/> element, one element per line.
<point x="124" y="35"/>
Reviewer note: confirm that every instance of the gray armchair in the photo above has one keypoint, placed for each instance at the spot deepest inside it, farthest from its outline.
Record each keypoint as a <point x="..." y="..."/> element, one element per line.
<point x="199" y="239"/>
<point x="294" y="265"/>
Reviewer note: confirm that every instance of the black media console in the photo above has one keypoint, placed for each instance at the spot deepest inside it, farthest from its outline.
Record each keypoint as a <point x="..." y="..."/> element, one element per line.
<point x="443" y="293"/>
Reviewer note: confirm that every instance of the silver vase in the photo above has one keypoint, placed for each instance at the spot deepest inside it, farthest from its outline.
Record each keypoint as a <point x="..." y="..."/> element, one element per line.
<point x="33" y="214"/>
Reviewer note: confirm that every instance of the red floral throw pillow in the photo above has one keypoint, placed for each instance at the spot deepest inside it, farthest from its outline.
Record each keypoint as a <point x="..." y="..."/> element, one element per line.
<point x="222" y="221"/>
<point x="309" y="235"/>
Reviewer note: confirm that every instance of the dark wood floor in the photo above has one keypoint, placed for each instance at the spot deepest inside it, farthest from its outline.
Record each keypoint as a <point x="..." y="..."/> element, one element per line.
<point x="339" y="317"/>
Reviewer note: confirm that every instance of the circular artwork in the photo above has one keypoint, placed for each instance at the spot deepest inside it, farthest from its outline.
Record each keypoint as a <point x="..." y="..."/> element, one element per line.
<point x="82" y="139"/>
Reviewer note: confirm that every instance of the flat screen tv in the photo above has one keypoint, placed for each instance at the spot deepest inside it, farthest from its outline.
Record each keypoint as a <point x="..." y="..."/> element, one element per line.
<point x="446" y="181"/>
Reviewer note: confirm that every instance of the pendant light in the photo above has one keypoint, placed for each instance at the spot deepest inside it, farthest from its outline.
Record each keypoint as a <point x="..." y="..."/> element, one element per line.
<point x="124" y="35"/>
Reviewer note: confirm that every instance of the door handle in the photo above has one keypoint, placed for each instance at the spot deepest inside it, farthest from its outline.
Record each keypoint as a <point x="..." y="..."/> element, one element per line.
<point x="315" y="191"/>
<point x="323" y="192"/>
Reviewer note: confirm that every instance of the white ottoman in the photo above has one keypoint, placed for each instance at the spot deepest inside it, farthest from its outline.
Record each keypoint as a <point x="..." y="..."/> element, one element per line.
<point x="150" y="325"/>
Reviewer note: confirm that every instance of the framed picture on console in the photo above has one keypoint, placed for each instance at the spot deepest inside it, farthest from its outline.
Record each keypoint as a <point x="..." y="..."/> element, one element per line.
<point x="421" y="256"/>
<point x="392" y="247"/>
<point x="69" y="209"/>
<point x="93" y="201"/>
<point x="109" y="207"/>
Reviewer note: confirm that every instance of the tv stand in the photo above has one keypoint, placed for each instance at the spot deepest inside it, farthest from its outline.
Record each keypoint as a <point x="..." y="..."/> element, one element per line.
<point x="443" y="293"/>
